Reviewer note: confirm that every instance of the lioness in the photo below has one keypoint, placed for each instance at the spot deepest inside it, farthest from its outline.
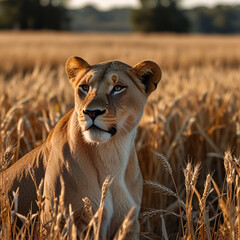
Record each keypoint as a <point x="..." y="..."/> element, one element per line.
<point x="92" y="141"/>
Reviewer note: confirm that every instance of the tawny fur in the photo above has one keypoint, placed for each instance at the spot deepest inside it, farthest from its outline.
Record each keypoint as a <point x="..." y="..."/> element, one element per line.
<point x="84" y="155"/>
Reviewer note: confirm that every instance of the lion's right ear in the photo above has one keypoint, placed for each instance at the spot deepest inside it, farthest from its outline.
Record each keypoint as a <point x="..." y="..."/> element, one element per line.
<point x="149" y="73"/>
<point x="76" y="66"/>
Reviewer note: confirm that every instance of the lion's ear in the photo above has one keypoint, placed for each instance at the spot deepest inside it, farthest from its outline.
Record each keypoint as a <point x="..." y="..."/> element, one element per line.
<point x="149" y="74"/>
<point x="76" y="66"/>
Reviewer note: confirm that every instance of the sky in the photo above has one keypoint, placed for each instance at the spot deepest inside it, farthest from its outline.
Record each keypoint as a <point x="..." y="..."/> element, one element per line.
<point x="108" y="4"/>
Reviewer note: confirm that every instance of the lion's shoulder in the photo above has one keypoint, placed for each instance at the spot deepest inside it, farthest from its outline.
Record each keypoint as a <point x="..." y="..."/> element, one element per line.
<point x="60" y="127"/>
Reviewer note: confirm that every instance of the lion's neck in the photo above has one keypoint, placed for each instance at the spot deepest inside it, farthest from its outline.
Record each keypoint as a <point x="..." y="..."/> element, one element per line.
<point x="110" y="158"/>
<point x="114" y="155"/>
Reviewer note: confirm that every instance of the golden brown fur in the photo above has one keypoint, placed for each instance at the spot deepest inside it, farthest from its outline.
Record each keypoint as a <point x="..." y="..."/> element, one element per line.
<point x="92" y="141"/>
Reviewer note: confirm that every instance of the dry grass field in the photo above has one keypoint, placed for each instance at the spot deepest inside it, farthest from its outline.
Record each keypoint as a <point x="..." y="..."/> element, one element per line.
<point x="188" y="141"/>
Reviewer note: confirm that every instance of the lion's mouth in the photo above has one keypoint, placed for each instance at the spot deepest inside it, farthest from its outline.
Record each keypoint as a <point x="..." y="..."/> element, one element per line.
<point x="111" y="131"/>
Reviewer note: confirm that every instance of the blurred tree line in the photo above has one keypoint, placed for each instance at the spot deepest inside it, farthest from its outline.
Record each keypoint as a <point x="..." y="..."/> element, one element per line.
<point x="89" y="18"/>
<point x="159" y="15"/>
<point x="33" y="14"/>
<point x="220" y="19"/>
<point x="152" y="16"/>
<point x="167" y="15"/>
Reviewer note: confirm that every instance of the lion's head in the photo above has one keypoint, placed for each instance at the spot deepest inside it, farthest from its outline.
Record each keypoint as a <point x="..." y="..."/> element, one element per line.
<point x="110" y="97"/>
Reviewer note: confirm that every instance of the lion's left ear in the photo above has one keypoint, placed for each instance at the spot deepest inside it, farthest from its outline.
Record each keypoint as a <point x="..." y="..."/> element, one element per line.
<point x="149" y="74"/>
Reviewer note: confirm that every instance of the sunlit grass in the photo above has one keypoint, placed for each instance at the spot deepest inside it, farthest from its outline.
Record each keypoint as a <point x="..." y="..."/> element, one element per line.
<point x="193" y="116"/>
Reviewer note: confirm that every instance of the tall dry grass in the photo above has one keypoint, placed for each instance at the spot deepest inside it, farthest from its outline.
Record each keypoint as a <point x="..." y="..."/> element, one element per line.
<point x="25" y="50"/>
<point x="194" y="116"/>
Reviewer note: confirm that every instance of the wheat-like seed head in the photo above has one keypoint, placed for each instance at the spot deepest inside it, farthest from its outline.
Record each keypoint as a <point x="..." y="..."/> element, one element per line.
<point x="206" y="192"/>
<point x="8" y="156"/>
<point x="188" y="174"/>
<point x="156" y="212"/>
<point x="105" y="186"/>
<point x="88" y="208"/>
<point x="195" y="174"/>
<point x="164" y="162"/>
<point x="229" y="167"/>
<point x="157" y="187"/>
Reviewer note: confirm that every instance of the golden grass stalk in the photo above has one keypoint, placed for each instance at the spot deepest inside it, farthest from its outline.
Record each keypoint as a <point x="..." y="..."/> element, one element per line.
<point x="164" y="162"/>
<point x="126" y="224"/>
<point x="191" y="176"/>
<point x="206" y="192"/>
<point x="98" y="215"/>
<point x="229" y="167"/>
<point x="106" y="184"/>
<point x="88" y="208"/>
<point x="8" y="156"/>
<point x="168" y="167"/>
<point x="157" y="187"/>
<point x="157" y="212"/>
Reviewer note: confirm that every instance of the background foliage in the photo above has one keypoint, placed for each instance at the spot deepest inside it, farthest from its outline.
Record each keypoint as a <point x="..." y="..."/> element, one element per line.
<point x="159" y="15"/>
<point x="33" y="14"/>
<point x="152" y="16"/>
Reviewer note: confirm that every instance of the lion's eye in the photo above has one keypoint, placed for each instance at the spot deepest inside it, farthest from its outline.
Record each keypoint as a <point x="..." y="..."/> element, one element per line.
<point x="84" y="88"/>
<point x="118" y="89"/>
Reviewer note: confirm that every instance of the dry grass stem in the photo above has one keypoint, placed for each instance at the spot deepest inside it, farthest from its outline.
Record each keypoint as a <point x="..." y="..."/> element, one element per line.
<point x="157" y="187"/>
<point x="126" y="224"/>
<point x="165" y="162"/>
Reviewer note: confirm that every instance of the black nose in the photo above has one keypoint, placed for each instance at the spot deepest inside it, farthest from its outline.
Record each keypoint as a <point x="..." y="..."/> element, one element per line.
<point x="94" y="113"/>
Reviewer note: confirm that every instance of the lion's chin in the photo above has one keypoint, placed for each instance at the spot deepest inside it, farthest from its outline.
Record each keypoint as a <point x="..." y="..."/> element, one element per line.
<point x="95" y="135"/>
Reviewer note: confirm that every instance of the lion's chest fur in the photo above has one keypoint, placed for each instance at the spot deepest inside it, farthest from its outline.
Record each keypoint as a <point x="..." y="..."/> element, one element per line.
<point x="84" y="167"/>
<point x="112" y="159"/>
